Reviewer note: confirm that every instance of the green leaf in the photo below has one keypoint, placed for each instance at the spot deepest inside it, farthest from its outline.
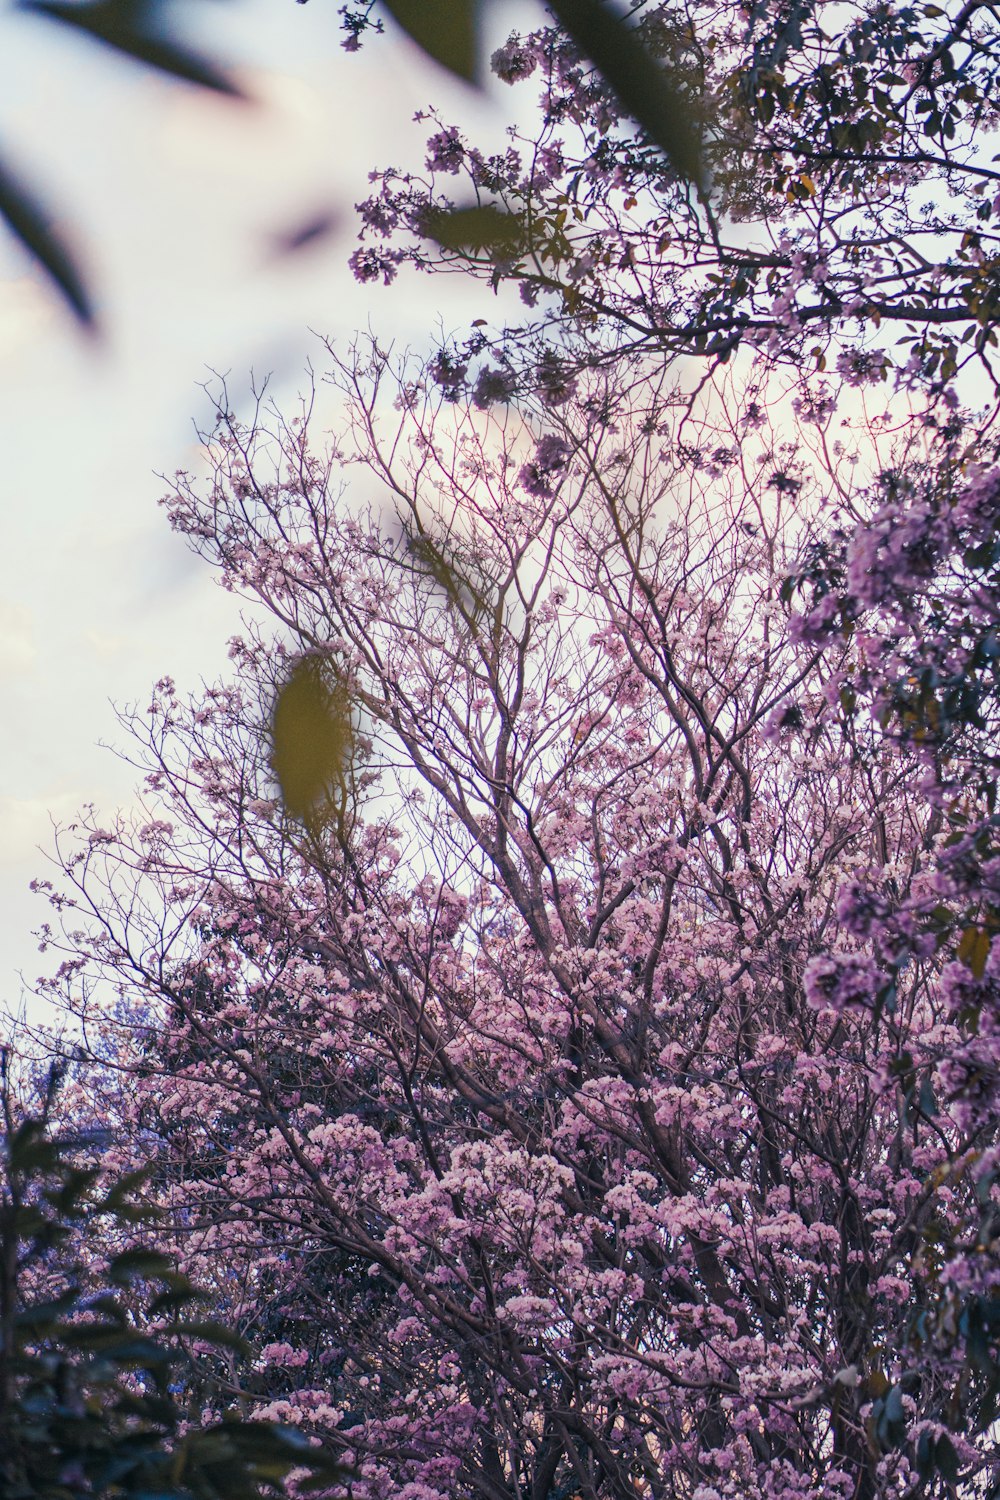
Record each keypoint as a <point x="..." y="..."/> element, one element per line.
<point x="483" y="227"/>
<point x="890" y="1428"/>
<point x="947" y="1459"/>
<point x="177" y="1292"/>
<point x="974" y="949"/>
<point x="642" y="86"/>
<point x="270" y="1449"/>
<point x="72" y="1191"/>
<point x="135" y="28"/>
<point x="138" y="1264"/>
<point x="444" y="29"/>
<point x="311" y="737"/>
<point x="927" y="1101"/>
<point x="108" y="1306"/>
<point x="26" y="219"/>
<point x="41" y="1315"/>
<point x="241" y="1455"/>
<point x="107" y="1340"/>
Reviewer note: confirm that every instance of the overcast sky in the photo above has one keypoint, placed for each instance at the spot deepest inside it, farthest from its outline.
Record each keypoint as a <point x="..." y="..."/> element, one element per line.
<point x="174" y="196"/>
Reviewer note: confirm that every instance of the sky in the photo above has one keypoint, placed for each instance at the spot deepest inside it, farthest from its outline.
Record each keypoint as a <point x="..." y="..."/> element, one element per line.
<point x="174" y="198"/>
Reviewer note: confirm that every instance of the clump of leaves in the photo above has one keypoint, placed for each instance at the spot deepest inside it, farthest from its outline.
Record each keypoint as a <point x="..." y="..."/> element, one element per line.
<point x="481" y="229"/>
<point x="95" y="1364"/>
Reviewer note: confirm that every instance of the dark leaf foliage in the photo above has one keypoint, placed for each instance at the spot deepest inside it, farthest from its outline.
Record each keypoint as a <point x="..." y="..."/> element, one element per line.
<point x="99" y="1388"/>
<point x="137" y="29"/>
<point x="483" y="228"/>
<point x="29" y="222"/>
<point x="444" y="29"/>
<point x="642" y="86"/>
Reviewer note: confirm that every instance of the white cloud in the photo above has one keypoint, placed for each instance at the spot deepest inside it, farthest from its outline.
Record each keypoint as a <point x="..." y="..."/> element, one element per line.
<point x="25" y="311"/>
<point x="18" y="651"/>
<point x="27" y="824"/>
<point x="103" y="643"/>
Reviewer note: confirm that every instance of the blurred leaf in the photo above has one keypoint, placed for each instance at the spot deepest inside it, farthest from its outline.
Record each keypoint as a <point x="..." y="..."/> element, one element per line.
<point x="28" y="1149"/>
<point x="311" y="736"/>
<point x="255" y="1452"/>
<point x="126" y="1350"/>
<point x="444" y="29"/>
<point x="434" y="563"/>
<point x="30" y="224"/>
<point x="71" y="1192"/>
<point x="116" y="1199"/>
<point x="643" y="89"/>
<point x="106" y="1304"/>
<point x="946" y="1459"/>
<point x="213" y="1333"/>
<point x="974" y="949"/>
<point x="136" y="1264"/>
<point x="41" y="1315"/>
<point x="482" y="227"/>
<point x="178" y="1293"/>
<point x="305" y="235"/>
<point x="889" y="1418"/>
<point x="432" y="559"/>
<point x="927" y="1101"/>
<point x="135" y="27"/>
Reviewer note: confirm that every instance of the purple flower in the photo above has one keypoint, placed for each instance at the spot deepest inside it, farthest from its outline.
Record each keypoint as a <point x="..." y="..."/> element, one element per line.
<point x="377" y="214"/>
<point x="513" y="61"/>
<point x="897" y="549"/>
<point x="369" y="264"/>
<point x="978" y="511"/>
<point x="860" y="909"/>
<point x="493" y="385"/>
<point x="448" y="373"/>
<point x="550" y="161"/>
<point x="445" y="151"/>
<point x="838" y="980"/>
<point x="960" y="990"/>
<point x="550" y="457"/>
<point x="555" y="384"/>
<point x="861" y="366"/>
<point x="786" y="718"/>
<point x="813" y="405"/>
<point x="818" y="625"/>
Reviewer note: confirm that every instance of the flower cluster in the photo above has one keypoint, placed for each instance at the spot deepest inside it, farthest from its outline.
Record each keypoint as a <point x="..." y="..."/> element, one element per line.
<point x="550" y="459"/>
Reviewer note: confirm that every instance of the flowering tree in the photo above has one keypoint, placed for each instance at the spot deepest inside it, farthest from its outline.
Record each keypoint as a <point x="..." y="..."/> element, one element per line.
<point x="561" y="1012"/>
<point x="536" y="1098"/>
<point x="844" y="209"/>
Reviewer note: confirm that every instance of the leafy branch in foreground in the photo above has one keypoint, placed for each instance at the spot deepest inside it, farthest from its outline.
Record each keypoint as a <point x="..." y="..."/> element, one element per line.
<point x="445" y="30"/>
<point x="137" y="29"/>
<point x="97" y="1339"/>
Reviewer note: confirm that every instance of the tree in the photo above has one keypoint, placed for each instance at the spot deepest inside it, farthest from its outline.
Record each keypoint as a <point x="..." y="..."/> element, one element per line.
<point x="98" y="1387"/>
<point x="844" y="210"/>
<point x="531" y="1095"/>
<point x="561" y="1014"/>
